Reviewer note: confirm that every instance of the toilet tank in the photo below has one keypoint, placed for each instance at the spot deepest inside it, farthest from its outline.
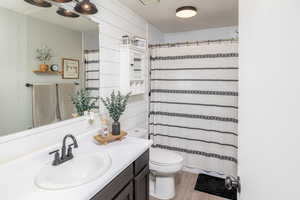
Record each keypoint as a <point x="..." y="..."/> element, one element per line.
<point x="138" y="132"/>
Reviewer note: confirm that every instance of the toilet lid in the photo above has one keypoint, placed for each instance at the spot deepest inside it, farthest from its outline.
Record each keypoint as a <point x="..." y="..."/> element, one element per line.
<point x="164" y="157"/>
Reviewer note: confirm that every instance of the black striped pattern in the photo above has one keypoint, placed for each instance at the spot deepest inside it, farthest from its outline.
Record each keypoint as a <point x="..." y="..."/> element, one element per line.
<point x="92" y="79"/>
<point x="202" y="92"/>
<point x="191" y="139"/>
<point x="193" y="128"/>
<point x="201" y="153"/>
<point x="206" y="136"/>
<point x="201" y="56"/>
<point x="203" y="68"/>
<point x="92" y="66"/>
<point x="92" y="88"/>
<point x="91" y="51"/>
<point x="194" y="116"/>
<point x="91" y="61"/>
<point x="207" y="80"/>
<point x="194" y="104"/>
<point x="88" y="71"/>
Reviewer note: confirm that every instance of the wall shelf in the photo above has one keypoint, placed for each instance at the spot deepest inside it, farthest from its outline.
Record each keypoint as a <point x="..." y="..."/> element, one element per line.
<point x="47" y="72"/>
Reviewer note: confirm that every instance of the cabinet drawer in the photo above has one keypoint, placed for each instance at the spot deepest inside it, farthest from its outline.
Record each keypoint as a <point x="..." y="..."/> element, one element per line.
<point x="126" y="194"/>
<point x="114" y="187"/>
<point x="141" y="162"/>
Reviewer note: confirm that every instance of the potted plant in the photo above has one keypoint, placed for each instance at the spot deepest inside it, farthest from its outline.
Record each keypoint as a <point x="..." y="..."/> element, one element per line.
<point x="116" y="105"/>
<point x="44" y="55"/>
<point x="83" y="102"/>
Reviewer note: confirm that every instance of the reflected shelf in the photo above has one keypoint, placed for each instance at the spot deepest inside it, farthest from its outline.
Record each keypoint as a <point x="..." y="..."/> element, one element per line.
<point x="47" y="72"/>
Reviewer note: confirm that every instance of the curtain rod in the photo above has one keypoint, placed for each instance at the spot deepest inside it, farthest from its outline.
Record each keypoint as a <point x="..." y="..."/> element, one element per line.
<point x="31" y="85"/>
<point x="191" y="43"/>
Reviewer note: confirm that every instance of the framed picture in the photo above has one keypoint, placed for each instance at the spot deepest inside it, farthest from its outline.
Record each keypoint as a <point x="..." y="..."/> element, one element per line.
<point x="70" y="68"/>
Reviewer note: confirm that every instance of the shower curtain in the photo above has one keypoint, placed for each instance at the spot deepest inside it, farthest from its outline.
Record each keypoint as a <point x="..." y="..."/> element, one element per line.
<point x="193" y="104"/>
<point x="92" y="82"/>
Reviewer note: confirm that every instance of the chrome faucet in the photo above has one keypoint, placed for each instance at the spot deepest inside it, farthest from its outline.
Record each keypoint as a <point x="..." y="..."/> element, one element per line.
<point x="66" y="154"/>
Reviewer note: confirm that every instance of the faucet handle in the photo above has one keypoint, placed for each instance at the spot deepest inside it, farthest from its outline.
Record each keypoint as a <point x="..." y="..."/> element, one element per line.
<point x="52" y="152"/>
<point x="56" y="157"/>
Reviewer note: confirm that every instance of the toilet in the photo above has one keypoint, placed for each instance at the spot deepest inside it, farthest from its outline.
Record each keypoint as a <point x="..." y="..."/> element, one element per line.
<point x="163" y="165"/>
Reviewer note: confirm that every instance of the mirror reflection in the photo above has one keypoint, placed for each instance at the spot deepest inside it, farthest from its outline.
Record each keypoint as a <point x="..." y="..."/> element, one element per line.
<point x="48" y="62"/>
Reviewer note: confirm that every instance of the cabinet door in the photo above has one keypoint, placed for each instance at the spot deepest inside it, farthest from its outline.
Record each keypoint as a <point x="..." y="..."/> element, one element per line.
<point x="115" y="187"/>
<point x="126" y="193"/>
<point x="141" y="163"/>
<point x="141" y="185"/>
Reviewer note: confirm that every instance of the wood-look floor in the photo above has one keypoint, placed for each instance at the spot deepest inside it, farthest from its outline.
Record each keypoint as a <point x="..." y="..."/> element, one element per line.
<point x="185" y="183"/>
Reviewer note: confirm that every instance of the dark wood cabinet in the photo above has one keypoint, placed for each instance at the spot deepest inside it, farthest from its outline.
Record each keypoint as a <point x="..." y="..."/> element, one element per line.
<point x="126" y="193"/>
<point x="141" y="185"/>
<point x="131" y="184"/>
<point x="141" y="163"/>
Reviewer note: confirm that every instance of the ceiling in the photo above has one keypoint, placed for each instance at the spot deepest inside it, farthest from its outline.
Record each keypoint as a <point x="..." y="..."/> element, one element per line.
<point x="81" y="24"/>
<point x="211" y="14"/>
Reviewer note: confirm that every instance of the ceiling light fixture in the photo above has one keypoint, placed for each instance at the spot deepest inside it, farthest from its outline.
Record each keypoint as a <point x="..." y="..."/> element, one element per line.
<point x="86" y="7"/>
<point x="149" y="2"/>
<point x="66" y="13"/>
<point x="39" y="3"/>
<point x="186" y="12"/>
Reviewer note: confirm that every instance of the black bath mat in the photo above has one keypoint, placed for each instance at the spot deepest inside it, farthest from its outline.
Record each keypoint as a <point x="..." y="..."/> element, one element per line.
<point x="215" y="186"/>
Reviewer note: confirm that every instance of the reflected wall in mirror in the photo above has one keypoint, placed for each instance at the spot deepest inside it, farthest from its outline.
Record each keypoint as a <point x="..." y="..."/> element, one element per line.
<point x="33" y="92"/>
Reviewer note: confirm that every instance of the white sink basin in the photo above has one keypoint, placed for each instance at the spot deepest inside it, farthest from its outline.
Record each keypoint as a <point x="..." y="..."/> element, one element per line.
<point x="78" y="171"/>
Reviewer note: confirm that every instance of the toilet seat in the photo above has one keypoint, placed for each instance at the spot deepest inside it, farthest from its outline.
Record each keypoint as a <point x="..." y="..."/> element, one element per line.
<point x="164" y="157"/>
<point x="164" y="161"/>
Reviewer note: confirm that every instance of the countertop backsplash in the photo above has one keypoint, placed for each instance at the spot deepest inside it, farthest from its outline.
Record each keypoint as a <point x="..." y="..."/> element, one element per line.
<point x="22" y="143"/>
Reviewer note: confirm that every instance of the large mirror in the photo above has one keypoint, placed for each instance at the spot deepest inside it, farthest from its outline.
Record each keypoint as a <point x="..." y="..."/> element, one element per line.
<point x="46" y="59"/>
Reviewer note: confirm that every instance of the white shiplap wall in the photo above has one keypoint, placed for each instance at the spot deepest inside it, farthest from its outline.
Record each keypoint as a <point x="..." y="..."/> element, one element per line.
<point x="116" y="20"/>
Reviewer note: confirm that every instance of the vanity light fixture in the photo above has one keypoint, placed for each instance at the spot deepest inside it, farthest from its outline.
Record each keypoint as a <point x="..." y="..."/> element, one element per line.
<point x="66" y="13"/>
<point x="62" y="1"/>
<point x="186" y="12"/>
<point x="86" y="7"/>
<point x="39" y="3"/>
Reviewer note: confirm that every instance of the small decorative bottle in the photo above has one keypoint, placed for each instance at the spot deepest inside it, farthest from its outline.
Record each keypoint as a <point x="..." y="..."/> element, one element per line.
<point x="104" y="125"/>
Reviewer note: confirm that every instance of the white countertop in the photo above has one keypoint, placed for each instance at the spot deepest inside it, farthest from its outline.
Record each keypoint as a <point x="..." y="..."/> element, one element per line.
<point x="17" y="177"/>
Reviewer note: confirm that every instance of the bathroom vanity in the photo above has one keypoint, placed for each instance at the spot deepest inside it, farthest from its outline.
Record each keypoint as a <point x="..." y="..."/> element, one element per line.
<point x="132" y="183"/>
<point x="126" y="178"/>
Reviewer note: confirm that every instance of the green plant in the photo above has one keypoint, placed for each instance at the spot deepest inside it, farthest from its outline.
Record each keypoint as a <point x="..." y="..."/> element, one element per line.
<point x="83" y="102"/>
<point x="116" y="104"/>
<point x="44" y="54"/>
